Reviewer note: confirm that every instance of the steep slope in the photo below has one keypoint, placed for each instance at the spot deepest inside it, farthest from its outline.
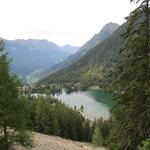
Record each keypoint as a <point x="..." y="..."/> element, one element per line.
<point x="94" y="64"/>
<point x="45" y="142"/>
<point x="106" y="31"/>
<point x="31" y="55"/>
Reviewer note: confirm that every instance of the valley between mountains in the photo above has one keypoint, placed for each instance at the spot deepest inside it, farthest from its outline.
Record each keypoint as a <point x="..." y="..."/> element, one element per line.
<point x="92" y="97"/>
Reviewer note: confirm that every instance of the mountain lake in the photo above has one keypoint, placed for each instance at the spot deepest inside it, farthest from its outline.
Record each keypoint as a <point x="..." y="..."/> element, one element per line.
<point x="97" y="103"/>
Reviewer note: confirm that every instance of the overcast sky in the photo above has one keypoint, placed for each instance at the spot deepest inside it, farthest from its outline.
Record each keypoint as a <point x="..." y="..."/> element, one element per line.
<point x="60" y="21"/>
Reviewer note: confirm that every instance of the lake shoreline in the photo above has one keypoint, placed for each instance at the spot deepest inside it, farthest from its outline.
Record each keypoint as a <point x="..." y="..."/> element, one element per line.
<point x="97" y="102"/>
<point x="95" y="87"/>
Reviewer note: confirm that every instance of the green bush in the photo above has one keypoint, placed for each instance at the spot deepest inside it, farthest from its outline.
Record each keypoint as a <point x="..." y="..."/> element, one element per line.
<point x="97" y="137"/>
<point x="114" y="147"/>
<point x="24" y="138"/>
<point x="145" y="145"/>
<point x="4" y="145"/>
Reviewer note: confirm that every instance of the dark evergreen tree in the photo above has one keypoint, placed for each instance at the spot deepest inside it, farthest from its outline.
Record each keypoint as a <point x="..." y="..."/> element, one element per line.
<point x="131" y="119"/>
<point x="12" y="109"/>
<point x="102" y="127"/>
<point x="43" y="116"/>
<point x="87" y="133"/>
<point x="55" y="126"/>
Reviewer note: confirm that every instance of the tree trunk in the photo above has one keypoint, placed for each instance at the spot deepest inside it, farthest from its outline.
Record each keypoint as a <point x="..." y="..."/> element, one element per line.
<point x="5" y="136"/>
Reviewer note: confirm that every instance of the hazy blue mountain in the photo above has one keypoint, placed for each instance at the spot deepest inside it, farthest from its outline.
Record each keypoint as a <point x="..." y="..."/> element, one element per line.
<point x="31" y="55"/>
<point x="69" y="49"/>
<point x="105" y="32"/>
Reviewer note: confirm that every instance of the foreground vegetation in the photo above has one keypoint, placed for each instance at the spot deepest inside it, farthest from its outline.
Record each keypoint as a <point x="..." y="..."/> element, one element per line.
<point x="50" y="116"/>
<point x="13" y="125"/>
<point x="130" y="117"/>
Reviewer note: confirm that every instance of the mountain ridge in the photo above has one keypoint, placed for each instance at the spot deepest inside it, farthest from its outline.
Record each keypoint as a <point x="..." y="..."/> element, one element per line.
<point x="104" y="33"/>
<point x="31" y="55"/>
<point x="93" y="66"/>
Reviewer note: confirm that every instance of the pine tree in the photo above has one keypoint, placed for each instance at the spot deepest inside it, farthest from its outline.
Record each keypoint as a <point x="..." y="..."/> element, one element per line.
<point x="131" y="119"/>
<point x="12" y="109"/>
<point x="55" y="126"/>
<point x="87" y="133"/>
<point x="97" y="138"/>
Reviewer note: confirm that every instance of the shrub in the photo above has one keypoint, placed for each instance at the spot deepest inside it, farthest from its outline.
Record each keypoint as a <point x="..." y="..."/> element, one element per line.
<point x="145" y="145"/>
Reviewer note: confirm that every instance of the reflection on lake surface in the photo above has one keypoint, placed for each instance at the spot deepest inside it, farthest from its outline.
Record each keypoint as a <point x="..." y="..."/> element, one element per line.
<point x="97" y="103"/>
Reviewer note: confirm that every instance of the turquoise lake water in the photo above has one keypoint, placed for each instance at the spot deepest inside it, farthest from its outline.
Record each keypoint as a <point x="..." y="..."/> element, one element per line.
<point x="97" y="103"/>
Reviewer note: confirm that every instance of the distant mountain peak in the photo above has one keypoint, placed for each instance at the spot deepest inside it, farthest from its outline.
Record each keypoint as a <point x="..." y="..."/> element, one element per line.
<point x="94" y="61"/>
<point x="109" y="27"/>
<point x="104" y="33"/>
<point x="111" y="23"/>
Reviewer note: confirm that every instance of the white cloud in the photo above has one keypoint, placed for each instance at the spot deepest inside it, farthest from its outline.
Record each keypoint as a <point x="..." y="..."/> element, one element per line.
<point x="60" y="21"/>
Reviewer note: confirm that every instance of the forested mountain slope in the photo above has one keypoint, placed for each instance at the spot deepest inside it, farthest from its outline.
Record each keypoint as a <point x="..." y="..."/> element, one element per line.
<point x="94" y="64"/>
<point x="105" y="32"/>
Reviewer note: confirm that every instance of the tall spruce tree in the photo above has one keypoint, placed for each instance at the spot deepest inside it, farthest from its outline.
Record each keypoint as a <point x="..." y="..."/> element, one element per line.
<point x="131" y="81"/>
<point x="12" y="109"/>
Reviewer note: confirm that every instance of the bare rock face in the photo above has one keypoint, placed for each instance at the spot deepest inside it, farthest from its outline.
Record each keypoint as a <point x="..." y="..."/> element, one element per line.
<point x="45" y="142"/>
